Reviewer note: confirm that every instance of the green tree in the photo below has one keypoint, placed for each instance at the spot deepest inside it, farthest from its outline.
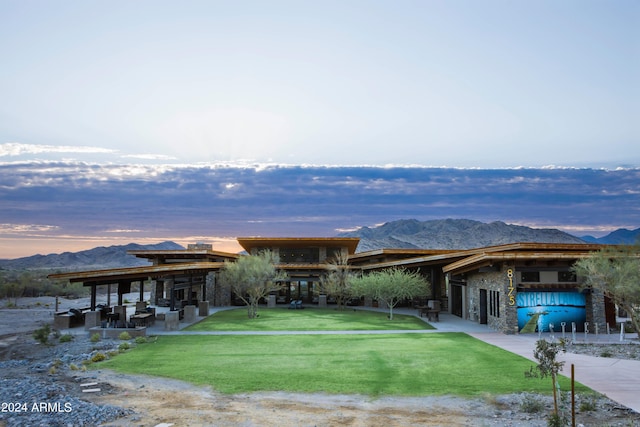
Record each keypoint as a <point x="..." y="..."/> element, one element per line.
<point x="337" y="281"/>
<point x="391" y="286"/>
<point x="615" y="271"/>
<point x="546" y="353"/>
<point x="252" y="278"/>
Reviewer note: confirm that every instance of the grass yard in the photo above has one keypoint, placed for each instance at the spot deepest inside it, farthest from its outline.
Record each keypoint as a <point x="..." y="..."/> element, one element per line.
<point x="376" y="364"/>
<point x="308" y="319"/>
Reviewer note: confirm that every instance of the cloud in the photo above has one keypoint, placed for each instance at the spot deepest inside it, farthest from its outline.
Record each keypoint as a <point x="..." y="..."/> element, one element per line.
<point x="162" y="157"/>
<point x="16" y="149"/>
<point x="235" y="200"/>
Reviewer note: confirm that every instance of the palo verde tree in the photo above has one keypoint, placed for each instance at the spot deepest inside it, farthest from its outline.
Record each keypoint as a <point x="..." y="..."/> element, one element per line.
<point x="615" y="271"/>
<point x="337" y="280"/>
<point x="390" y="286"/>
<point x="252" y="278"/>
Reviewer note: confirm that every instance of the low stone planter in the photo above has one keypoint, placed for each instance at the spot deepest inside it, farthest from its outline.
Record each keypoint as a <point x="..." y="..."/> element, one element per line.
<point x="113" y="333"/>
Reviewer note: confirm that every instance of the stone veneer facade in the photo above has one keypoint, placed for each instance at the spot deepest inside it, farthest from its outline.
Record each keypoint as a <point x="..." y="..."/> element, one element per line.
<point x="504" y="318"/>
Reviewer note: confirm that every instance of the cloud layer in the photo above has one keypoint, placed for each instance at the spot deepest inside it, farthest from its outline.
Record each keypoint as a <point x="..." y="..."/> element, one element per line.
<point x="63" y="199"/>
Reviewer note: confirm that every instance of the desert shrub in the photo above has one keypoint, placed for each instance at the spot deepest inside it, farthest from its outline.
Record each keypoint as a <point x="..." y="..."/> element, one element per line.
<point x="532" y="405"/>
<point x="66" y="338"/>
<point x="588" y="404"/>
<point x="56" y="363"/>
<point x="141" y="340"/>
<point x="557" y="419"/>
<point x="42" y="334"/>
<point x="95" y="337"/>
<point x="124" y="336"/>
<point x="98" y="357"/>
<point x="73" y="367"/>
<point x="52" y="370"/>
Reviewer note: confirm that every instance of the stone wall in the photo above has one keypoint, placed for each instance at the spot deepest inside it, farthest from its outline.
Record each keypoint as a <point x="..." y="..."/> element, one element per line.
<point x="217" y="294"/>
<point x="596" y="314"/>
<point x="504" y="319"/>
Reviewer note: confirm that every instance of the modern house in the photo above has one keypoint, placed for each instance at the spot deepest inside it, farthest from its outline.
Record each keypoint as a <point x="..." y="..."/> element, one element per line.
<point x="512" y="288"/>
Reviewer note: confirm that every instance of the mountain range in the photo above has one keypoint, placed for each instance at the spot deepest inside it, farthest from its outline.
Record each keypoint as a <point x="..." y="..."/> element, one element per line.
<point x="408" y="234"/>
<point x="96" y="258"/>
<point x="452" y="234"/>
<point x="622" y="236"/>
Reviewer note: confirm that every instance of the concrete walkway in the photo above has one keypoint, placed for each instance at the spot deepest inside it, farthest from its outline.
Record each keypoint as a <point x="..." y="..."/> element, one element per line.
<point x="616" y="378"/>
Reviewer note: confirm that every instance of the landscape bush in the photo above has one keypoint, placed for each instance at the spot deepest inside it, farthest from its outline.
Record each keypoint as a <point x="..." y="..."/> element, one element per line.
<point x="124" y="336"/>
<point x="532" y="405"/>
<point x="141" y="340"/>
<point x="66" y="338"/>
<point x="42" y="334"/>
<point x="95" y="337"/>
<point x="98" y="357"/>
<point x="588" y="404"/>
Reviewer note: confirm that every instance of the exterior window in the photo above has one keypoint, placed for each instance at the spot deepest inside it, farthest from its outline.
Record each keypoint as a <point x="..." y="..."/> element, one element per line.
<point x="299" y="255"/>
<point x="530" y="276"/>
<point x="494" y="303"/>
<point x="566" y="276"/>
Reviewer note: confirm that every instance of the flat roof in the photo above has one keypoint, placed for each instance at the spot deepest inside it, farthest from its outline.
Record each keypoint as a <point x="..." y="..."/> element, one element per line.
<point x="137" y="273"/>
<point x="248" y="243"/>
<point x="182" y="253"/>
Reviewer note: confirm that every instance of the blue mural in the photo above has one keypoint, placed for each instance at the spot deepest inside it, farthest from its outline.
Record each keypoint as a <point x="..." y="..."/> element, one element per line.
<point x="536" y="310"/>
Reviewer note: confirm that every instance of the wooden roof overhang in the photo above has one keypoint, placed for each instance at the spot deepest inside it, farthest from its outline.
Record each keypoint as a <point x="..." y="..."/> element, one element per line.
<point x="182" y="254"/>
<point x="486" y="259"/>
<point x="460" y="261"/>
<point x="249" y="243"/>
<point x="114" y="275"/>
<point x="389" y="254"/>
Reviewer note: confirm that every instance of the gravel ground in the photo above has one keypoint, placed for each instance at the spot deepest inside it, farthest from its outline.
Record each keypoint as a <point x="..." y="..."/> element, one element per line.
<point x="52" y="378"/>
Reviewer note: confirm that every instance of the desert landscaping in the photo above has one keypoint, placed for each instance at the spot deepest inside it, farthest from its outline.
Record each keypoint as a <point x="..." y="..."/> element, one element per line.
<point x="54" y="375"/>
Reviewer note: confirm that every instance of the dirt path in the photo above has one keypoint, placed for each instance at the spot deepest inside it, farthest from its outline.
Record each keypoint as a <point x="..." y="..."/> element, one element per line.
<point x="157" y="400"/>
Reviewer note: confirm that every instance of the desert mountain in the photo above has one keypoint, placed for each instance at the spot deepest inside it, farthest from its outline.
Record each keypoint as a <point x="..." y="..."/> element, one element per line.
<point x="452" y="234"/>
<point x="96" y="258"/>
<point x="621" y="236"/>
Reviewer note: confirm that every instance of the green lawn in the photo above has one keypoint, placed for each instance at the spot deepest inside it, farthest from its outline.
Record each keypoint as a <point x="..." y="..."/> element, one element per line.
<point x="308" y="319"/>
<point x="372" y="364"/>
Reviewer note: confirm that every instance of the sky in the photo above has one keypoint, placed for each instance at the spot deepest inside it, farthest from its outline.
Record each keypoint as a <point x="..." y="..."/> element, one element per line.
<point x="156" y="99"/>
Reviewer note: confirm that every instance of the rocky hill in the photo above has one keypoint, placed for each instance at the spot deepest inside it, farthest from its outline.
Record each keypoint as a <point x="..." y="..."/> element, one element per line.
<point x="452" y="234"/>
<point x="96" y="258"/>
<point x="621" y="236"/>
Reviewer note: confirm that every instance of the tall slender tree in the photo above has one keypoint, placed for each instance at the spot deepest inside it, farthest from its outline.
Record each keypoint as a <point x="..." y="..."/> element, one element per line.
<point x="337" y="280"/>
<point x="252" y="278"/>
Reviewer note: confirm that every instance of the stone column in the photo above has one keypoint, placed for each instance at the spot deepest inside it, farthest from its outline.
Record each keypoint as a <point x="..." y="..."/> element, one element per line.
<point x="189" y="314"/>
<point x="271" y="301"/>
<point x="509" y="302"/>
<point x="203" y="308"/>
<point x="172" y="321"/>
<point x="322" y="301"/>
